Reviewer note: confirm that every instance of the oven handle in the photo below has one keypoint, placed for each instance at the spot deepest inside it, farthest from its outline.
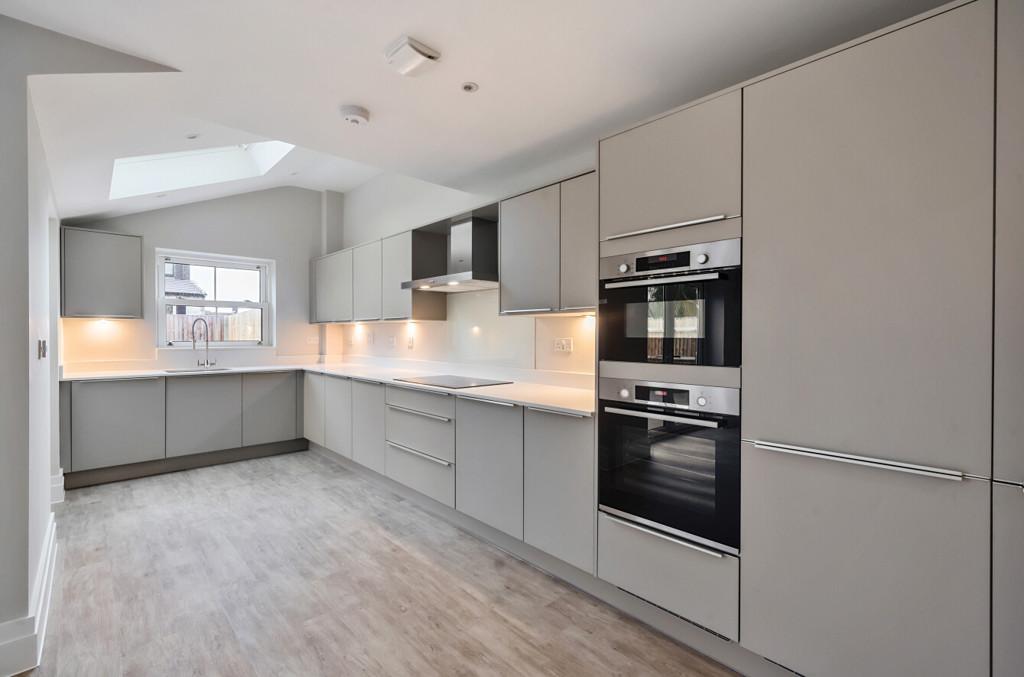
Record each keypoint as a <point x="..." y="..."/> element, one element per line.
<point x="652" y="281"/>
<point x="663" y="417"/>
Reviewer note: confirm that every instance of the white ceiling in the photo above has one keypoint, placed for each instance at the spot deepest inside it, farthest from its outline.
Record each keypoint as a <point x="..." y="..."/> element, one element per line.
<point x="554" y="76"/>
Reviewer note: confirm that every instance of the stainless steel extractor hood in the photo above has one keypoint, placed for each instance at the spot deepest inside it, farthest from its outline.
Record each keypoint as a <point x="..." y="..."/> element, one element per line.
<point x="472" y="262"/>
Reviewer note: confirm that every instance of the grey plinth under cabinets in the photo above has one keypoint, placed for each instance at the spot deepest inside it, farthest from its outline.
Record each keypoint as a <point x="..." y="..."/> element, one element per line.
<point x="101" y="274"/>
<point x="116" y="422"/>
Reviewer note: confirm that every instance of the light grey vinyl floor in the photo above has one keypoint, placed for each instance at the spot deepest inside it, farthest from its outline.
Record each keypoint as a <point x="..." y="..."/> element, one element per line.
<point x="295" y="565"/>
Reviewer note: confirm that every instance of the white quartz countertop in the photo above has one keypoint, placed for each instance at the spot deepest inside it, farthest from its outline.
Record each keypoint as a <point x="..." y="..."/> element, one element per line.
<point x="575" y="401"/>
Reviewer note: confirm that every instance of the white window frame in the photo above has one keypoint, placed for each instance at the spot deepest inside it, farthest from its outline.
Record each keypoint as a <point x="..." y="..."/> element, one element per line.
<point x="268" y="268"/>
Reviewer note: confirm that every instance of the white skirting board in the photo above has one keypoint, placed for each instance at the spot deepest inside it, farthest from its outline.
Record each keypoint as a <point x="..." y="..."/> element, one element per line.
<point x="21" y="639"/>
<point x="57" y="487"/>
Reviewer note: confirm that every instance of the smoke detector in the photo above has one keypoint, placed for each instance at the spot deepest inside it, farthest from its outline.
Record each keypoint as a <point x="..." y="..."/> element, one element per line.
<point x="355" y="115"/>
<point x="408" y="55"/>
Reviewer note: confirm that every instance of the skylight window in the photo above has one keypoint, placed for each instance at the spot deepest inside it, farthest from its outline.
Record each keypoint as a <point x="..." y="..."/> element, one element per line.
<point x="148" y="174"/>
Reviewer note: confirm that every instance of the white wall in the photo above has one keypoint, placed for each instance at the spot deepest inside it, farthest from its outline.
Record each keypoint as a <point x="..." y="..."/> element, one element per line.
<point x="283" y="224"/>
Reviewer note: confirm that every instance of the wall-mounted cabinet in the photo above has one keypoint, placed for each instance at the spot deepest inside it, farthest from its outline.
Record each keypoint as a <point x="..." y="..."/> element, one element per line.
<point x="366" y="282"/>
<point x="332" y="287"/>
<point x="548" y="248"/>
<point x="409" y="256"/>
<point x="101" y="274"/>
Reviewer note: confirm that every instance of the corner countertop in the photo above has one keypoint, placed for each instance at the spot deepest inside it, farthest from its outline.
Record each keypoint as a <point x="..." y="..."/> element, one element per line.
<point x="559" y="399"/>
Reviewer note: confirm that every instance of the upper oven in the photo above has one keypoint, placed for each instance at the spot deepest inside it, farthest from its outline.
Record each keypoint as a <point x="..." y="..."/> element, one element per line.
<point x="672" y="306"/>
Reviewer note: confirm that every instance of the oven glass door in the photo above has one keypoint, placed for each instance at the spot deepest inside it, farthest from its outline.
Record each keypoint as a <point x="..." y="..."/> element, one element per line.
<point x="679" y="322"/>
<point x="678" y="470"/>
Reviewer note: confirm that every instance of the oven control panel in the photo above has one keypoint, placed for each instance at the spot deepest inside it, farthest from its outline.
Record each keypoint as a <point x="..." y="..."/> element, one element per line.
<point x="671" y="395"/>
<point x="689" y="258"/>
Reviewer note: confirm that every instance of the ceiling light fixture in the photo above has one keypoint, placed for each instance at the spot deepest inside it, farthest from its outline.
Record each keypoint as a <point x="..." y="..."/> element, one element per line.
<point x="470" y="87"/>
<point x="407" y="55"/>
<point x="355" y="115"/>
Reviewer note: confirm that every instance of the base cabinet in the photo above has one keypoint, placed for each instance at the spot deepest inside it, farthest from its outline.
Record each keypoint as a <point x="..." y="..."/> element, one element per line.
<point x="696" y="583"/>
<point x="269" y="403"/>
<point x="368" y="425"/>
<point x="426" y="474"/>
<point x="852" y="570"/>
<point x="489" y="472"/>
<point x="313" y="407"/>
<point x="1007" y="580"/>
<point x="116" y="422"/>
<point x="338" y="415"/>
<point x="559" y="486"/>
<point x="204" y="413"/>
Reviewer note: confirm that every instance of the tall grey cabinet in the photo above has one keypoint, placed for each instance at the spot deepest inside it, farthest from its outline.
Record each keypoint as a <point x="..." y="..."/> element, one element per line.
<point x="366" y="285"/>
<point x="101" y="274"/>
<point x="332" y="287"/>
<point x="867" y="313"/>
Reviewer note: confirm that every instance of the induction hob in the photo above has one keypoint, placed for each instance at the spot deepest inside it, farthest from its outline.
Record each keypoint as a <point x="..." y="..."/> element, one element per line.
<point x="454" y="382"/>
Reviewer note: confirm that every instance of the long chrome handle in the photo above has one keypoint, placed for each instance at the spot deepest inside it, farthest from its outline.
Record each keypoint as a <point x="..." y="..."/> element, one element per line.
<point x="556" y="412"/>
<point x="650" y="282"/>
<point x="881" y="464"/>
<point x="657" y="534"/>
<point x="525" y="310"/>
<point x="483" y="401"/>
<point x="115" y="380"/>
<point x="577" y="307"/>
<point x="420" y="413"/>
<point x="395" y="317"/>
<point x="427" y="457"/>
<point x="362" y="380"/>
<point x="420" y="389"/>
<point x="668" y="226"/>
<point x="704" y="423"/>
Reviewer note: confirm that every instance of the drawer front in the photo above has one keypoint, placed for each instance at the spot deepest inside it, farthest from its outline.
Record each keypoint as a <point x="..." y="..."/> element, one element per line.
<point x="433" y="436"/>
<point x="699" y="586"/>
<point x="438" y="404"/>
<point x="429" y="476"/>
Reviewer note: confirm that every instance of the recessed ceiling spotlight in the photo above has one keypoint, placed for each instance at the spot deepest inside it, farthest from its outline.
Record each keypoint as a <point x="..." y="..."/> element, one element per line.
<point x="192" y="136"/>
<point x="355" y="115"/>
<point x="408" y="55"/>
<point x="470" y="87"/>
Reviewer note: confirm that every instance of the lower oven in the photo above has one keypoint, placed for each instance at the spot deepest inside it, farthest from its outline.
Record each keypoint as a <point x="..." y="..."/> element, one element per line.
<point x="669" y="459"/>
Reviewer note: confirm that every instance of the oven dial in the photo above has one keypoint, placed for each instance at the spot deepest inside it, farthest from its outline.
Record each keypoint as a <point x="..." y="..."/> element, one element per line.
<point x="623" y="267"/>
<point x="702" y="401"/>
<point x="624" y="393"/>
<point x="702" y="258"/>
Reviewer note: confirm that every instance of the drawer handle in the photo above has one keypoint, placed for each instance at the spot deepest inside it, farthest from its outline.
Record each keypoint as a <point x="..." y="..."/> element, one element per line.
<point x="558" y="413"/>
<point x="420" y="389"/>
<point x="525" y="310"/>
<point x="881" y="464"/>
<point x="483" y="401"/>
<point x="668" y="226"/>
<point x="420" y="413"/>
<point x="657" y="281"/>
<point x="420" y="454"/>
<point x="656" y="534"/>
<point x="578" y="307"/>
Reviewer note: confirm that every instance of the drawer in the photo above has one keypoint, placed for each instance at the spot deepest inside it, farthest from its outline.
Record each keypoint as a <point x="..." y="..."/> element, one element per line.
<point x="430" y="476"/>
<point x="439" y="404"/>
<point x="429" y="433"/>
<point x="698" y="584"/>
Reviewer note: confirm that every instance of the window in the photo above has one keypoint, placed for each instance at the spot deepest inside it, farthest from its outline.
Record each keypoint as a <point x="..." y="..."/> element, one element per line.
<point x="231" y="293"/>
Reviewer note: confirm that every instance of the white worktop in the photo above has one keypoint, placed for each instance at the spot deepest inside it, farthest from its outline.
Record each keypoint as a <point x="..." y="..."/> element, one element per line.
<point x="529" y="394"/>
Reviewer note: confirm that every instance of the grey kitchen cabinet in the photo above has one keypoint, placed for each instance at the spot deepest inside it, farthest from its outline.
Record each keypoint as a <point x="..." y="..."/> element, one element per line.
<point x="1007" y="579"/>
<point x="578" y="243"/>
<point x="410" y="256"/>
<point x="204" y="413"/>
<point x="366" y="281"/>
<point x="432" y="477"/>
<point x="855" y="570"/>
<point x="867" y="247"/>
<point x="528" y="257"/>
<point x="679" y="168"/>
<point x="689" y="580"/>
<point x="427" y="433"/>
<point x="559" y="486"/>
<point x="332" y="287"/>
<point x="116" y="422"/>
<point x="269" y="407"/>
<point x="1008" y="403"/>
<point x="313" y="407"/>
<point x="338" y="415"/>
<point x="369" y="447"/>
<point x="101" y="274"/>
<point x="489" y="472"/>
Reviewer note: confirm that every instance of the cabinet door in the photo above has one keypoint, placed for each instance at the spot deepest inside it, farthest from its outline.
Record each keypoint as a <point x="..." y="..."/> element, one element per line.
<point x="1007" y="579"/>
<point x="682" y="167"/>
<point x="396" y="268"/>
<point x="528" y="251"/>
<point x="489" y="463"/>
<point x="269" y="407"/>
<point x="333" y="287"/>
<point x="854" y="570"/>
<point x="313" y="407"/>
<point x="578" y="243"/>
<point x="116" y="422"/>
<point x="204" y="413"/>
<point x="366" y="277"/>
<point x="867" y="248"/>
<point x="338" y="415"/>
<point x="368" y="425"/>
<point x="559" y="494"/>
<point x="101" y="274"/>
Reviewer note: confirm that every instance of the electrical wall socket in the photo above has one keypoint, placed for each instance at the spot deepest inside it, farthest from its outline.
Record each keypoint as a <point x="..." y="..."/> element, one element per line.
<point x="563" y="345"/>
